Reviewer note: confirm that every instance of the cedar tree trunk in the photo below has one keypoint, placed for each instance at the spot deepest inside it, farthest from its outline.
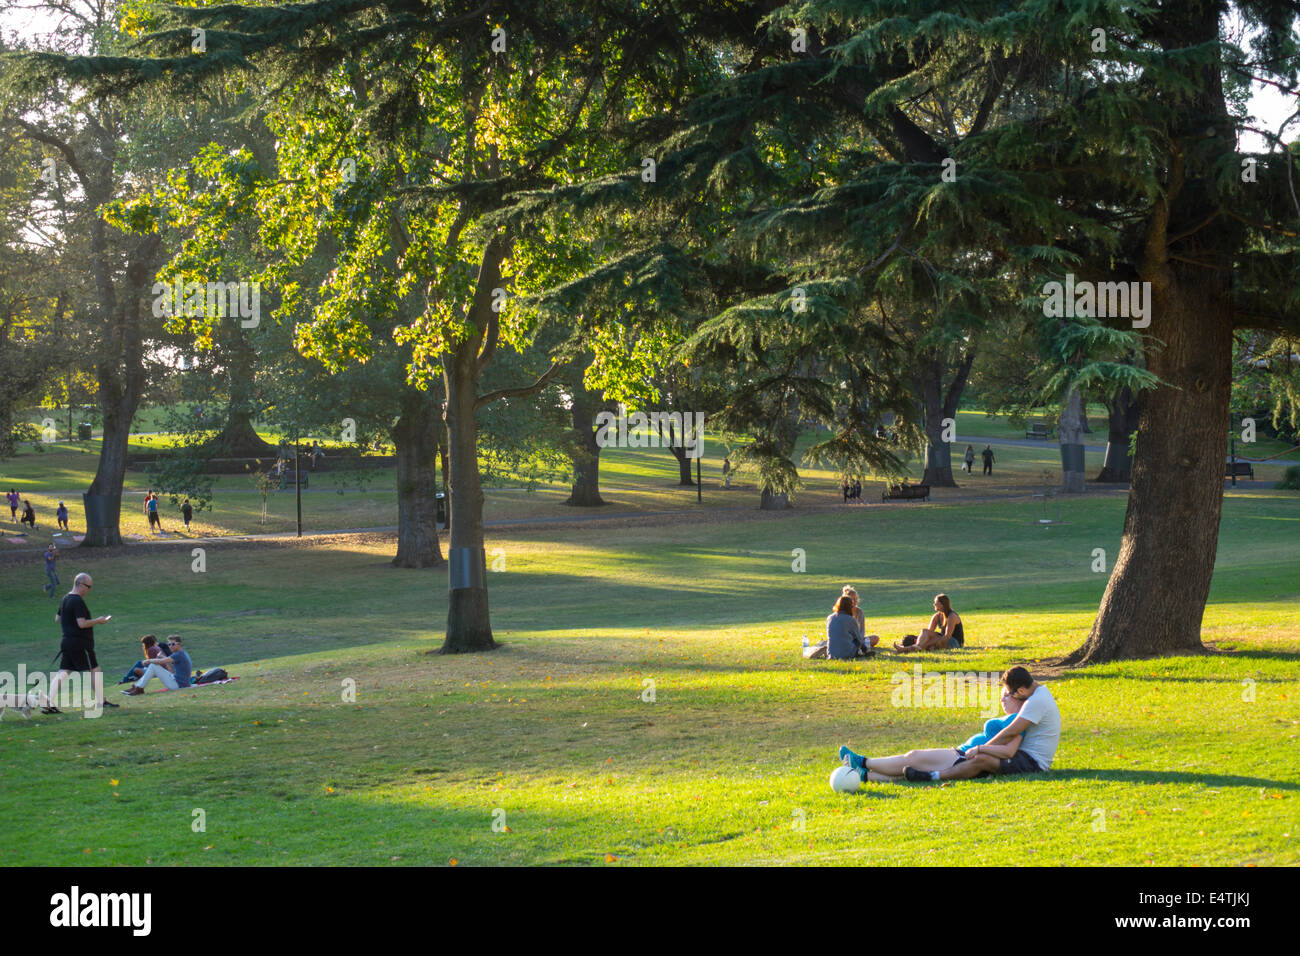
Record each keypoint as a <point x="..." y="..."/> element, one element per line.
<point x="416" y="438"/>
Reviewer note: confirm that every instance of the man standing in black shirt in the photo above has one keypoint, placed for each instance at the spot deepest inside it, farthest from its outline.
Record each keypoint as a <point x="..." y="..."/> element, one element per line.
<point x="78" y="646"/>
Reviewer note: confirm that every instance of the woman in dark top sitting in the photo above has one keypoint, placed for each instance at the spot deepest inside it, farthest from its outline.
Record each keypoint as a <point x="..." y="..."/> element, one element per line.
<point x="944" y="631"/>
<point x="150" y="649"/>
<point x="843" y="638"/>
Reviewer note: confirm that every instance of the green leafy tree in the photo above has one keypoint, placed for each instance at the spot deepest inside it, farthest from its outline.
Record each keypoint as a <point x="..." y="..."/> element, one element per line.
<point x="1102" y="141"/>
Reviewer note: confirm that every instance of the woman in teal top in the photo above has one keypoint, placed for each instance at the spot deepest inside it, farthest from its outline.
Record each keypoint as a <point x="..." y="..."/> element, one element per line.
<point x="940" y="758"/>
<point x="992" y="727"/>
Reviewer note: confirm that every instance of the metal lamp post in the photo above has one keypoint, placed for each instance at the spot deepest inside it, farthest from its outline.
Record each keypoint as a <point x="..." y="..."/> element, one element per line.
<point x="297" y="484"/>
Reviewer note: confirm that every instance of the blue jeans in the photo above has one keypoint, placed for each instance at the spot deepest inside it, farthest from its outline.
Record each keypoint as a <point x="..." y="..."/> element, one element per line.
<point x="130" y="674"/>
<point x="53" y="584"/>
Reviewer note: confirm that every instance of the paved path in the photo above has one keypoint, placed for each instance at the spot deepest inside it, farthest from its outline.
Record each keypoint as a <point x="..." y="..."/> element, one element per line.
<point x="1041" y="443"/>
<point x="689" y="513"/>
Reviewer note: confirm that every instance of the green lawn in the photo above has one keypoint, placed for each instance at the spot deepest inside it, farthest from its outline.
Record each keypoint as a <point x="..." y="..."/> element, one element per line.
<point x="551" y="737"/>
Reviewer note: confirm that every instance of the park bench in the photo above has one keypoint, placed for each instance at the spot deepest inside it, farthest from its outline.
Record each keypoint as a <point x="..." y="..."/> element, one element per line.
<point x="1038" y="430"/>
<point x="287" y="480"/>
<point x="1240" y="469"/>
<point x="906" y="492"/>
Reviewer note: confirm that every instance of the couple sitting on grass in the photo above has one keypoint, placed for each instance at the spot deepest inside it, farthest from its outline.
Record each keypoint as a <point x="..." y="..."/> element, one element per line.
<point x="1024" y="741"/>
<point x="846" y="625"/>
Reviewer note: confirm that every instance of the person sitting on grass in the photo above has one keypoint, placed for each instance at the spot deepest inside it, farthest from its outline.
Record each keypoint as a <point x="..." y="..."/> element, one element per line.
<point x="173" y="670"/>
<point x="843" y="637"/>
<point x="151" y="651"/>
<point x="872" y="639"/>
<point x="1026" y="745"/>
<point x="883" y="769"/>
<point x="944" y="630"/>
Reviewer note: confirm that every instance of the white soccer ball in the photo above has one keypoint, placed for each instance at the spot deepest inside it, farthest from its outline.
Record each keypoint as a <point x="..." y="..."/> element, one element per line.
<point x="845" y="779"/>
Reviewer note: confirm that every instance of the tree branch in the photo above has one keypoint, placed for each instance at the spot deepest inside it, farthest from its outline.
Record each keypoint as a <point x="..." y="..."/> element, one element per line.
<point x="537" y="386"/>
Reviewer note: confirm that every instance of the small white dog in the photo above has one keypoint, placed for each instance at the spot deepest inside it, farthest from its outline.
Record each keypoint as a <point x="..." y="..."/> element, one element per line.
<point x="23" y="703"/>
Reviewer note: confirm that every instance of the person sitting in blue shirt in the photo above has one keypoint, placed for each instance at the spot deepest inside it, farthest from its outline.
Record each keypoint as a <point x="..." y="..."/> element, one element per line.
<point x="992" y="727"/>
<point x="843" y="639"/>
<point x="174" y="670"/>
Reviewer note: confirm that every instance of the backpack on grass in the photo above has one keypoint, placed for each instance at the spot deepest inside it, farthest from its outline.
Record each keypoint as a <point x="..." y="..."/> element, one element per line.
<point x="213" y="674"/>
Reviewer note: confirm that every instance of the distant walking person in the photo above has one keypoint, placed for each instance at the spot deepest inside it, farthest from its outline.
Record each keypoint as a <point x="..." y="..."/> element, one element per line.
<point x="78" y="645"/>
<point x="187" y="513"/>
<point x="726" y="472"/>
<point x="987" y="455"/>
<point x="62" y="516"/>
<point x="12" y="497"/>
<point x="151" y="506"/>
<point x="29" y="514"/>
<point x="970" y="460"/>
<point x="51" y="556"/>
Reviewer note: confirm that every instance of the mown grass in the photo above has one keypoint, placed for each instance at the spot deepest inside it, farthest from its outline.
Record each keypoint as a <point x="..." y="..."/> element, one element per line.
<point x="632" y="480"/>
<point x="553" y="736"/>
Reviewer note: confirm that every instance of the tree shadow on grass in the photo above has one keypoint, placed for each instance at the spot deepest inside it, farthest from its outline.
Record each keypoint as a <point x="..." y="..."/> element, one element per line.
<point x="1288" y="656"/>
<point x="1152" y="777"/>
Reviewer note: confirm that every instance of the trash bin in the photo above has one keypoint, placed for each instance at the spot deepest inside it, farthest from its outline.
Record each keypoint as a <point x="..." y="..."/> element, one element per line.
<point x="83" y="431"/>
<point x="441" y="499"/>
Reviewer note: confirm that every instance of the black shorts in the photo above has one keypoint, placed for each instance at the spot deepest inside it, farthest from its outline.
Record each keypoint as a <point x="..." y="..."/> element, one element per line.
<point x="77" y="657"/>
<point x="1020" y="763"/>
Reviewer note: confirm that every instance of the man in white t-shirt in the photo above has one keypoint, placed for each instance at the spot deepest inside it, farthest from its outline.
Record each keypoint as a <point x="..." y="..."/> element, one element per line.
<point x="1038" y="720"/>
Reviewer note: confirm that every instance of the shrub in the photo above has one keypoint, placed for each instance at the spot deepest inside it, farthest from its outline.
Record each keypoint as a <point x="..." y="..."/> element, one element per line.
<point x="1290" y="479"/>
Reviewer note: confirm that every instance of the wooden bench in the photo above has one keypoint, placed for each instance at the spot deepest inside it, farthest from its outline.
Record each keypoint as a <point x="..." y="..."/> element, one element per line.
<point x="287" y="480"/>
<point x="1038" y="430"/>
<point x="1241" y="469"/>
<point x="906" y="492"/>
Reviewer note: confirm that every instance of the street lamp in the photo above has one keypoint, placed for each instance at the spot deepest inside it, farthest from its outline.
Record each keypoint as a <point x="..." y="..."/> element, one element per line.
<point x="297" y="483"/>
